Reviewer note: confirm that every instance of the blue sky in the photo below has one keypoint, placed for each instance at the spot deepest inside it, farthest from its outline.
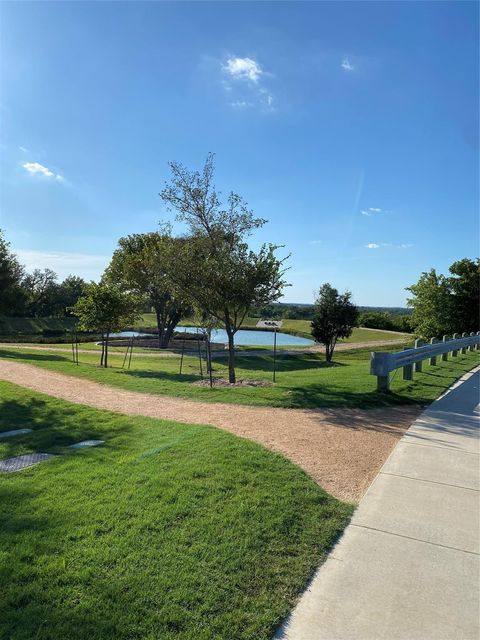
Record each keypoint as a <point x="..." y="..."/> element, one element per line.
<point x="351" y="127"/>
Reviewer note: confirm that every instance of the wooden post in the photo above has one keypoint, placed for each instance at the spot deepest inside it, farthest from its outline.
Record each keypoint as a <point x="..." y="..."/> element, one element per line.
<point x="418" y="365"/>
<point x="478" y="345"/>
<point x="464" y="349"/>
<point x="445" y="355"/>
<point x="408" y="369"/>
<point x="455" y="351"/>
<point x="433" y="359"/>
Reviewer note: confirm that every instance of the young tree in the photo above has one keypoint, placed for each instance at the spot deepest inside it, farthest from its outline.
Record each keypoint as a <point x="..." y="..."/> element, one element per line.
<point x="214" y="266"/>
<point x="139" y="265"/>
<point x="11" y="275"/>
<point x="105" y="308"/>
<point x="335" y="316"/>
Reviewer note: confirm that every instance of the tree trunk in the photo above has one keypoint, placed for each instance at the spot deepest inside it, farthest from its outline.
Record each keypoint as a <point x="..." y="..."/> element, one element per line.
<point x="231" y="357"/>
<point x="102" y="355"/>
<point x="106" y="349"/>
<point x="159" y="326"/>
<point x="328" y="352"/>
<point x="208" y="336"/>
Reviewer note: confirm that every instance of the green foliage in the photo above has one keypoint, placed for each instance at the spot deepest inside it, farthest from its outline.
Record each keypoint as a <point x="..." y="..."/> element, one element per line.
<point x="11" y="275"/>
<point x="384" y="320"/>
<point x="334" y="318"/>
<point x="214" y="267"/>
<point x="443" y="305"/>
<point x="139" y="264"/>
<point x="168" y="531"/>
<point x="105" y="308"/>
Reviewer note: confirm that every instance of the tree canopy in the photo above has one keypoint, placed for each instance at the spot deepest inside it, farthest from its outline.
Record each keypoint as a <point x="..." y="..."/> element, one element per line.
<point x="139" y="265"/>
<point x="105" y="308"/>
<point x="443" y="305"/>
<point x="335" y="316"/>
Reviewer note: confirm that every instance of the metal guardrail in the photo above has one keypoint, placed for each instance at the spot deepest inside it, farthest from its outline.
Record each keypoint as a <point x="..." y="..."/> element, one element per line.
<point x="382" y="364"/>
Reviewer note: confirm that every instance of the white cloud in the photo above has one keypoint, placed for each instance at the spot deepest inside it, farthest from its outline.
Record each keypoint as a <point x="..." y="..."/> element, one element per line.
<point x="86" y="266"/>
<point x="347" y="65"/>
<point x="243" y="69"/>
<point x="374" y="245"/>
<point x="315" y="242"/>
<point x="36" y="167"/>
<point x="371" y="210"/>
<point x="244" y="80"/>
<point x="23" y="149"/>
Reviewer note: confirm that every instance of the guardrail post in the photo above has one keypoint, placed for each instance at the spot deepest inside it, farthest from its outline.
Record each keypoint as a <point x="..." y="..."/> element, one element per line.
<point x="383" y="384"/>
<point x="455" y="351"/>
<point x="418" y="365"/>
<point x="433" y="359"/>
<point x="464" y="349"/>
<point x="445" y="355"/>
<point x="408" y="369"/>
<point x="472" y="346"/>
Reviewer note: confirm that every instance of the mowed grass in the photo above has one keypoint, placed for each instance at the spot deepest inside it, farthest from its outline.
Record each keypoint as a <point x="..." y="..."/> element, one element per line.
<point x="168" y="530"/>
<point x="303" y="380"/>
<point x="300" y="328"/>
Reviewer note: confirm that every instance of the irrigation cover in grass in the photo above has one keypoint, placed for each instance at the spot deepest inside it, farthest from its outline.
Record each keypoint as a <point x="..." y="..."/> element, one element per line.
<point x="22" y="462"/>
<point x="86" y="443"/>
<point x="15" y="432"/>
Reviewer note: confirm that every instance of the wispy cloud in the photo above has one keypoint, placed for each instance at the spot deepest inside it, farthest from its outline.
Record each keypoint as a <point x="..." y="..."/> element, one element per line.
<point x="375" y="245"/>
<point x="244" y="80"/>
<point x="347" y="65"/>
<point x="372" y="211"/>
<point x="315" y="242"/>
<point x="23" y="149"/>
<point x="37" y="168"/>
<point x="241" y="104"/>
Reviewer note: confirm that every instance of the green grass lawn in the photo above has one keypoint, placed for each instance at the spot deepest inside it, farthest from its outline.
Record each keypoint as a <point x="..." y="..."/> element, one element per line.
<point x="168" y="530"/>
<point x="303" y="380"/>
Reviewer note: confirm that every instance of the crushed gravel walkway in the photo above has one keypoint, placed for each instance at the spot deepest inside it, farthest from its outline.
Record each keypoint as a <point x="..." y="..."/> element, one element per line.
<point x="342" y="449"/>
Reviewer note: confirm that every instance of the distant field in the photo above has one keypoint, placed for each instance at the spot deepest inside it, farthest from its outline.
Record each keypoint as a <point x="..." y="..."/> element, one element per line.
<point x="32" y="326"/>
<point x="297" y="328"/>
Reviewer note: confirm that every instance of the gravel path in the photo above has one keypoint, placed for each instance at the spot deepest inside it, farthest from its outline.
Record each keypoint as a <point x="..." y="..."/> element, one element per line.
<point x="342" y="449"/>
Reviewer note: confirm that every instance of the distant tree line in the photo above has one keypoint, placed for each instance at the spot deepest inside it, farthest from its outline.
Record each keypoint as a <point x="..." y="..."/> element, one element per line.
<point x="37" y="294"/>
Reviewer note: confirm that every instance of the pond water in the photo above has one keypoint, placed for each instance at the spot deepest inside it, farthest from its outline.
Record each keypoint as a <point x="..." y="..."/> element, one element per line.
<point x="242" y="337"/>
<point x="258" y="338"/>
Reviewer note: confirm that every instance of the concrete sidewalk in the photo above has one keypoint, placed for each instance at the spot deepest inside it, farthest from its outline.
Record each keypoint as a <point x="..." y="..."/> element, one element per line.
<point x="407" y="567"/>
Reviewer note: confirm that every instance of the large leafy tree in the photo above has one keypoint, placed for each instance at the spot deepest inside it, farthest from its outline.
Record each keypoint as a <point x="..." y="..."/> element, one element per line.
<point x="465" y="289"/>
<point x="213" y="265"/>
<point x="139" y="265"/>
<point x="443" y="305"/>
<point x="42" y="293"/>
<point x="11" y="275"/>
<point x="335" y="316"/>
<point x="105" y="308"/>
